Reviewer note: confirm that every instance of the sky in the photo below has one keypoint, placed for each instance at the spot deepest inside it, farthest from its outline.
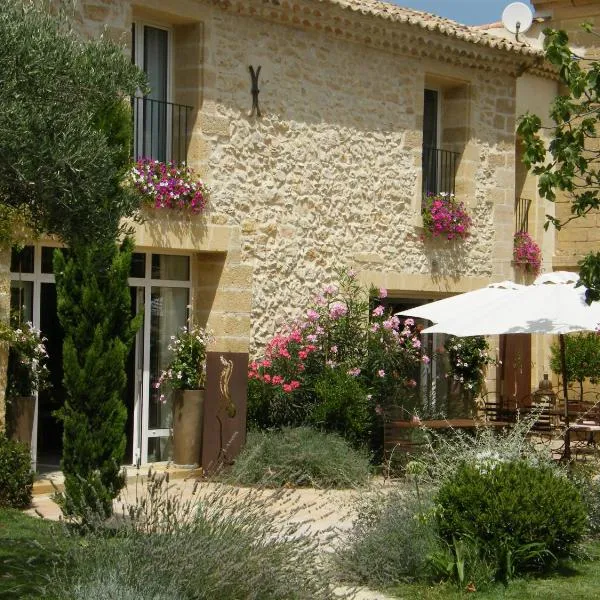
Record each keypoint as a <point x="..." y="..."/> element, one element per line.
<point x="469" y="12"/>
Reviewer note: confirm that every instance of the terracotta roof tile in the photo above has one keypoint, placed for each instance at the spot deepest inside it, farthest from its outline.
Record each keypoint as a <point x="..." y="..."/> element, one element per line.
<point x="431" y="22"/>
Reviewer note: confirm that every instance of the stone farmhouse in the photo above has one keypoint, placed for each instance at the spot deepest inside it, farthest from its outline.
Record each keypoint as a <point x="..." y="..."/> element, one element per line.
<point x="363" y="107"/>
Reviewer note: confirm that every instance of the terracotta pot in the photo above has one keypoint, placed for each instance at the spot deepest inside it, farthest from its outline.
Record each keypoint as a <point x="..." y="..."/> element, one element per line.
<point x="187" y="426"/>
<point x="21" y="413"/>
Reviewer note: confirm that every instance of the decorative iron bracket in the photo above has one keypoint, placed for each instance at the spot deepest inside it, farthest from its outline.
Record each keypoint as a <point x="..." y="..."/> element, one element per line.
<point x="255" y="91"/>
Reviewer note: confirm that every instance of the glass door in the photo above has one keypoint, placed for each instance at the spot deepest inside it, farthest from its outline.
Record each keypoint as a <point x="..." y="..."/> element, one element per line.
<point x="163" y="290"/>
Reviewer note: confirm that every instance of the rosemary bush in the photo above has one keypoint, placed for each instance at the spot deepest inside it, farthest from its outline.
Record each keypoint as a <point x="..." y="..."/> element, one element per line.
<point x="301" y="457"/>
<point x="390" y="542"/>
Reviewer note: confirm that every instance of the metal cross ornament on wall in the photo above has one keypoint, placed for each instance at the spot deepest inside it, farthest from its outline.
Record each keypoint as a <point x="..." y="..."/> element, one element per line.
<point x="255" y="91"/>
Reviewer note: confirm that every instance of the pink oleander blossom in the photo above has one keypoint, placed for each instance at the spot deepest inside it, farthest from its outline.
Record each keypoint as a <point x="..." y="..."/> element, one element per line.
<point x="338" y="310"/>
<point x="377" y="312"/>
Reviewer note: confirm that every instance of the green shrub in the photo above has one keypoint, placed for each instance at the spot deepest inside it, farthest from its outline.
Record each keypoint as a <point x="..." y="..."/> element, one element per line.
<point x="269" y="406"/>
<point x="222" y="545"/>
<point x="16" y="476"/>
<point x="342" y="406"/>
<point x="300" y="457"/>
<point x="523" y="515"/>
<point x="390" y="541"/>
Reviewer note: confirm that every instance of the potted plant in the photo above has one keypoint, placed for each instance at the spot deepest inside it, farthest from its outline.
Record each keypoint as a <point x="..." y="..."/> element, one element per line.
<point x="186" y="375"/>
<point x="27" y="374"/>
<point x="526" y="253"/>
<point x="444" y="216"/>
<point x="168" y="186"/>
<point x="468" y="359"/>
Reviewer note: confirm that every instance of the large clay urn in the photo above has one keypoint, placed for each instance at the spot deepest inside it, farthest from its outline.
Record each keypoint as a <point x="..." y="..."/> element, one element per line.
<point x="21" y="415"/>
<point x="187" y="426"/>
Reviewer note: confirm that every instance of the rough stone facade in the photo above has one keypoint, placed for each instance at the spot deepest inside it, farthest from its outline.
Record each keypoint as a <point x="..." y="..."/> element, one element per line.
<point x="330" y="175"/>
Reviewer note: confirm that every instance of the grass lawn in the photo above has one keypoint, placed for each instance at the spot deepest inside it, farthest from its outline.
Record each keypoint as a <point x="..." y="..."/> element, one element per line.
<point x="28" y="549"/>
<point x="581" y="582"/>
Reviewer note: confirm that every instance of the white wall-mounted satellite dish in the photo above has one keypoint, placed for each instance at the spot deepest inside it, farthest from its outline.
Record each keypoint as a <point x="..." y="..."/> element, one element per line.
<point x="517" y="18"/>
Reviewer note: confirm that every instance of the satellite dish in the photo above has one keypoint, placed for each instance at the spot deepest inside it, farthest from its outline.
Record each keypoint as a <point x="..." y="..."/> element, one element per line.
<point x="517" y="18"/>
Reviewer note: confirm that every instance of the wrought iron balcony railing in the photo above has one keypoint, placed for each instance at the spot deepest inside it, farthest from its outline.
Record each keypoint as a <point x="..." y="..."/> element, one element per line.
<point x="522" y="206"/>
<point x="439" y="170"/>
<point x="161" y="130"/>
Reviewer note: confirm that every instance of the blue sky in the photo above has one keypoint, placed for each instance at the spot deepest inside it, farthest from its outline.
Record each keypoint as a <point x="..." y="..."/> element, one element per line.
<point x="469" y="12"/>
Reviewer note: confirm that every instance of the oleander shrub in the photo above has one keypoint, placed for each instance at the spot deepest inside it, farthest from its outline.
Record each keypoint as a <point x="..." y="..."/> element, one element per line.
<point x="299" y="457"/>
<point x="390" y="542"/>
<point x="521" y="514"/>
<point x="16" y="476"/>
<point x="343" y="406"/>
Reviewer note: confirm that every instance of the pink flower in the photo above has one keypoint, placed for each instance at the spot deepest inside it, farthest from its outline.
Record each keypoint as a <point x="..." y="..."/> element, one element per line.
<point x="330" y="290"/>
<point x="383" y="293"/>
<point x="411" y="383"/>
<point x="426" y="360"/>
<point x="333" y="349"/>
<point x="355" y="372"/>
<point x="409" y="322"/>
<point x="337" y="310"/>
<point x="287" y="388"/>
<point x="267" y="378"/>
<point x="378" y="410"/>
<point x="377" y="312"/>
<point x="375" y="327"/>
<point x="381" y="373"/>
<point x="312" y="315"/>
<point x="311" y="337"/>
<point x="277" y="379"/>
<point x="387" y="324"/>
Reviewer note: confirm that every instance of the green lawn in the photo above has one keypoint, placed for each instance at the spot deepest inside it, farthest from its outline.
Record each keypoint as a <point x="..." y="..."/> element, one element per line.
<point x="581" y="582"/>
<point x="28" y="549"/>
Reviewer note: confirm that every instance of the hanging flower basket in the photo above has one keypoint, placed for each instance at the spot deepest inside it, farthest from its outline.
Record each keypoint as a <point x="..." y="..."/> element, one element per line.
<point x="527" y="255"/>
<point x="168" y="185"/>
<point x="444" y="216"/>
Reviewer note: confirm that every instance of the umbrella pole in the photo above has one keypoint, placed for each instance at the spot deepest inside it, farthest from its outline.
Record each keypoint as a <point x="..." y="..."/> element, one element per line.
<point x="563" y="367"/>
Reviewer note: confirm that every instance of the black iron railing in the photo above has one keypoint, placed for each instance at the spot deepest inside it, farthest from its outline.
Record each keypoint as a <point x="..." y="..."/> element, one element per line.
<point x="439" y="170"/>
<point x="522" y="214"/>
<point x="161" y="130"/>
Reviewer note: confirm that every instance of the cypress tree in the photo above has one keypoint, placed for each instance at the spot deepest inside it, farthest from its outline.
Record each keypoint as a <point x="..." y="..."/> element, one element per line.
<point x="94" y="308"/>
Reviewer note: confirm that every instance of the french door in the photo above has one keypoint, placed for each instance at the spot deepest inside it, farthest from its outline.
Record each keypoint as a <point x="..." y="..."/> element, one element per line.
<point x="160" y="287"/>
<point x="163" y="294"/>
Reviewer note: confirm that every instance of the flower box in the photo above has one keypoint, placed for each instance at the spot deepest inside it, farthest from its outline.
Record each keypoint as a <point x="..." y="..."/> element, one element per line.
<point x="168" y="186"/>
<point x="444" y="216"/>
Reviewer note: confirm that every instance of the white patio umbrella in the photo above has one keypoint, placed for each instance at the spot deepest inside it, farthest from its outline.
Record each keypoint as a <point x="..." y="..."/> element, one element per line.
<point x="448" y="308"/>
<point x="552" y="305"/>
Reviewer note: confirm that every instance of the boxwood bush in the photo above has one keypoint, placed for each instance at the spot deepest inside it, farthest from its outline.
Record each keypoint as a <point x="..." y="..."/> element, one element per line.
<point x="16" y="477"/>
<point x="522" y="514"/>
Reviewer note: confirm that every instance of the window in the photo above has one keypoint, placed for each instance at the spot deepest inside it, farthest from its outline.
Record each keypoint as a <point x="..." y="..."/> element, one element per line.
<point x="160" y="125"/>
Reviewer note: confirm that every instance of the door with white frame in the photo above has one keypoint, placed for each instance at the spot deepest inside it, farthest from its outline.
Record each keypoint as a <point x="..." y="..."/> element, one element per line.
<point x="160" y="286"/>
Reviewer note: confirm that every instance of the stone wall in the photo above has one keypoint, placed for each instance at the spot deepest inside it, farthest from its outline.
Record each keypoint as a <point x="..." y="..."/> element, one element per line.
<point x="330" y="174"/>
<point x="582" y="235"/>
